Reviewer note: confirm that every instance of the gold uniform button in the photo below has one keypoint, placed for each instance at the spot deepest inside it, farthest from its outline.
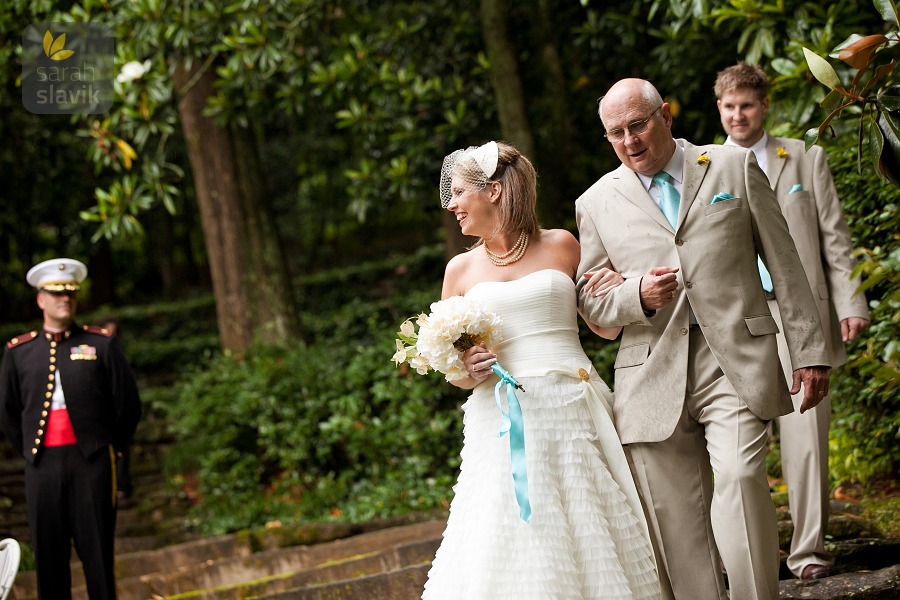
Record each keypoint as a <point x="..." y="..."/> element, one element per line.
<point x="52" y="359"/>
<point x="52" y="345"/>
<point x="34" y="450"/>
<point x="52" y="351"/>
<point x="46" y="405"/>
<point x="42" y="422"/>
<point x="14" y="341"/>
<point x="37" y="442"/>
<point x="44" y="413"/>
<point x="40" y="432"/>
<point x="51" y="377"/>
<point x="52" y="367"/>
<point x="50" y="386"/>
<point x="48" y="395"/>
<point x="585" y="376"/>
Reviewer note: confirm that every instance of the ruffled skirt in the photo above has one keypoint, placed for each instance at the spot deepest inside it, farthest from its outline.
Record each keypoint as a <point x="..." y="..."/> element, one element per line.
<point x="584" y="540"/>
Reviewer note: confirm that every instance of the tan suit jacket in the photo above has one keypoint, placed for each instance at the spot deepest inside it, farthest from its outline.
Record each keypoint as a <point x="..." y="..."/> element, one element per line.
<point x="817" y="224"/>
<point x="715" y="246"/>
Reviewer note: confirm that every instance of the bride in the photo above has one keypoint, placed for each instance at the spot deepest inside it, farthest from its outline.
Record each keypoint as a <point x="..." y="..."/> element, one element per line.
<point x="586" y="537"/>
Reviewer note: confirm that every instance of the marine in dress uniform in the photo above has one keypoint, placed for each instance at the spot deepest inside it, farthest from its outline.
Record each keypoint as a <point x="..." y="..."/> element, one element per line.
<point x="68" y="400"/>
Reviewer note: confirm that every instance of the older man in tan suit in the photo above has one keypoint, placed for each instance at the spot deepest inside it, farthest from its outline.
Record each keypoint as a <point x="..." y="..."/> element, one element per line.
<point x="810" y="204"/>
<point x="697" y="374"/>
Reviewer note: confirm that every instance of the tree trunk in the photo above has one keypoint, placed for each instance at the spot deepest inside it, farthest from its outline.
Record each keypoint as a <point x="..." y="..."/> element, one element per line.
<point x="248" y="282"/>
<point x="555" y="197"/>
<point x="505" y="77"/>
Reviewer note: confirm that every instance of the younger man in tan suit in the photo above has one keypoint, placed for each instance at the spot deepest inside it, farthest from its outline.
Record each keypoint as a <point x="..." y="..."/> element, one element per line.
<point x="804" y="188"/>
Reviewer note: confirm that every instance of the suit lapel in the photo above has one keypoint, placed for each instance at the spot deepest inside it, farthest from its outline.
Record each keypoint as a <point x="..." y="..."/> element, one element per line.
<point x="626" y="183"/>
<point x="694" y="171"/>
<point x="775" y="164"/>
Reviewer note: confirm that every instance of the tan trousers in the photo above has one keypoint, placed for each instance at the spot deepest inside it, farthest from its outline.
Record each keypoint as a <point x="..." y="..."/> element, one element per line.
<point x="804" y="464"/>
<point x="695" y="520"/>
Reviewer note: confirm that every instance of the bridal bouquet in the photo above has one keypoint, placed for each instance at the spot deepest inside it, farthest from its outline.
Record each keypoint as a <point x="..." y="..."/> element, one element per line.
<point x="455" y="325"/>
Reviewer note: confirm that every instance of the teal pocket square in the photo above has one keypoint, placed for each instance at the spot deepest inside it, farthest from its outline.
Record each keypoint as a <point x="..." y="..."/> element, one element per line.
<point x="721" y="196"/>
<point x="797" y="187"/>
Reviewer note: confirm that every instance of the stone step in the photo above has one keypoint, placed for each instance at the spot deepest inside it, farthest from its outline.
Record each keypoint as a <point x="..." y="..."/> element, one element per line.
<point x="231" y="560"/>
<point x="404" y="584"/>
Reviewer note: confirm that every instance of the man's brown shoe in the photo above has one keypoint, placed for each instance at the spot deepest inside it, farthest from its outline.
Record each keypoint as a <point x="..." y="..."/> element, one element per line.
<point x="814" y="571"/>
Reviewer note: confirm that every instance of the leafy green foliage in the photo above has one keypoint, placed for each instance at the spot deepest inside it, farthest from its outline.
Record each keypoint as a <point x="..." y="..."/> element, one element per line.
<point x="865" y="427"/>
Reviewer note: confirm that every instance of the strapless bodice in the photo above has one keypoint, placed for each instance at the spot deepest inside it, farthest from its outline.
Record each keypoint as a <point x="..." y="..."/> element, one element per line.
<point x="540" y="322"/>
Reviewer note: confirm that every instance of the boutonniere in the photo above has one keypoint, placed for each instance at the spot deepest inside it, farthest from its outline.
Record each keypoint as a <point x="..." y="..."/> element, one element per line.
<point x="702" y="159"/>
<point x="782" y="153"/>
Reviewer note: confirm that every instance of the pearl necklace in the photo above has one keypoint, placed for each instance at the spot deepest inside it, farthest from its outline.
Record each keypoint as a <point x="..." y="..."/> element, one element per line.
<point x="513" y="255"/>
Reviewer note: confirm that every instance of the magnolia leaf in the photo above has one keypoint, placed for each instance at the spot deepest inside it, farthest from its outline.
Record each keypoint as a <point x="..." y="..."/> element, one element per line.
<point x="859" y="53"/>
<point x="887" y="10"/>
<point x="854" y="37"/>
<point x="889" y="99"/>
<point x="811" y="137"/>
<point x="821" y="70"/>
<point x="831" y="101"/>
<point x="875" y="139"/>
<point x="889" y="159"/>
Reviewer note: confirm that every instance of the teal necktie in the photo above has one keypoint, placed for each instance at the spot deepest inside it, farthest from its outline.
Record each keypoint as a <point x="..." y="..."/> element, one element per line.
<point x="764" y="275"/>
<point x="669" y="199"/>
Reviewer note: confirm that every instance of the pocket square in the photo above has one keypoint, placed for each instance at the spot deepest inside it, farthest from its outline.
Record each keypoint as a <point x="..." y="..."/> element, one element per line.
<point x="721" y="196"/>
<point x="797" y="187"/>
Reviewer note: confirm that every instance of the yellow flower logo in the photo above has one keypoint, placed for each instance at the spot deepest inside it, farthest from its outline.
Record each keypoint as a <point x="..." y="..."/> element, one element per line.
<point x="55" y="49"/>
<point x="702" y="159"/>
<point x="782" y="153"/>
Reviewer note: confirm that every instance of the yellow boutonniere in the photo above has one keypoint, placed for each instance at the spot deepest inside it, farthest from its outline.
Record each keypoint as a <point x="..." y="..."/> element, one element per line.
<point x="782" y="153"/>
<point x="702" y="159"/>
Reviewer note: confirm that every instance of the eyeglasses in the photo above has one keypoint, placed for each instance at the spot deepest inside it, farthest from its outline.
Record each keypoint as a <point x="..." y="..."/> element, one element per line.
<point x="635" y="128"/>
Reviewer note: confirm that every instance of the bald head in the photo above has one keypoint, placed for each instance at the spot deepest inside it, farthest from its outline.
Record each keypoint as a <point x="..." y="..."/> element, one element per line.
<point x="635" y="104"/>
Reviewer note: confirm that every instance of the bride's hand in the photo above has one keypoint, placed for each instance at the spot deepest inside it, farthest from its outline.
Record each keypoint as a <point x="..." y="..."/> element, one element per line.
<point x="478" y="360"/>
<point x="602" y="281"/>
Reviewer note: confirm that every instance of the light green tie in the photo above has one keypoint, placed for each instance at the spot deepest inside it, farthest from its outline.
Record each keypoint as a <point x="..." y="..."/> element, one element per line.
<point x="669" y="199"/>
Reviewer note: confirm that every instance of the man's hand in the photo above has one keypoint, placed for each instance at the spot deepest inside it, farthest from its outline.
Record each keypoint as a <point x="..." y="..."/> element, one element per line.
<point x="851" y="327"/>
<point x="658" y="287"/>
<point x="815" y="386"/>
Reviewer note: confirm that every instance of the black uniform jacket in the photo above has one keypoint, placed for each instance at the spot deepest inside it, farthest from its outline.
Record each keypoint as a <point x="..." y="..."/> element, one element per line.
<point x="100" y="391"/>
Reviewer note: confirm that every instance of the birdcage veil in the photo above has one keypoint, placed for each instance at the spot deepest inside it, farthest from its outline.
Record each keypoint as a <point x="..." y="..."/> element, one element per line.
<point x="475" y="165"/>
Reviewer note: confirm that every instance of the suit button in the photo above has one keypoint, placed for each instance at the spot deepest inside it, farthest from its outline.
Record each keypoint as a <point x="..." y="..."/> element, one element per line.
<point x="688" y="285"/>
<point x="679" y="242"/>
<point x="684" y="331"/>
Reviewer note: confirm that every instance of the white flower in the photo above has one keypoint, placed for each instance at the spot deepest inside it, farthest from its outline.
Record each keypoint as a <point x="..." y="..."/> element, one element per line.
<point x="133" y="70"/>
<point x="454" y="325"/>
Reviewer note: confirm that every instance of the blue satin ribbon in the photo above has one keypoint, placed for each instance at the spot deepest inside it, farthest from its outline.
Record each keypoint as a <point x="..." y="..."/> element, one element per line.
<point x="513" y="423"/>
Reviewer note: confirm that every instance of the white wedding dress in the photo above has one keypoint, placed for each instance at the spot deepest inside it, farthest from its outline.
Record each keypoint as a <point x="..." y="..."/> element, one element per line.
<point x="587" y="538"/>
